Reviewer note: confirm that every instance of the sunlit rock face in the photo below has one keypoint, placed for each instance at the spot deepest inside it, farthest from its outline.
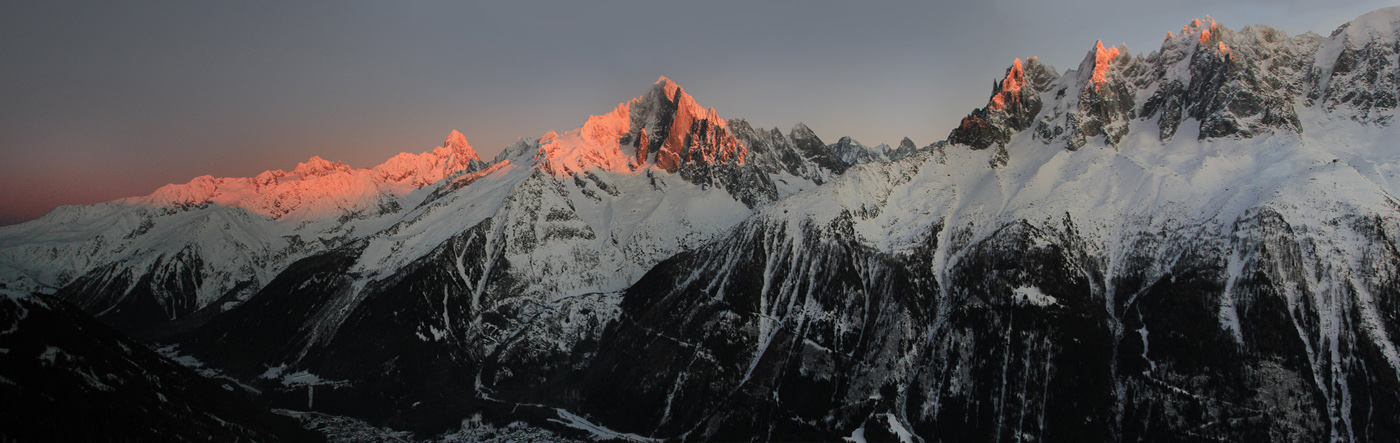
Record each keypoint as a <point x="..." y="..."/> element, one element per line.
<point x="1013" y="107"/>
<point x="665" y="127"/>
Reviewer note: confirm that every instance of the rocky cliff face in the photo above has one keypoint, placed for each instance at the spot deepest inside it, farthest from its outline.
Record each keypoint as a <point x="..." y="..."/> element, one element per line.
<point x="1354" y="71"/>
<point x="1235" y="84"/>
<point x="1014" y="105"/>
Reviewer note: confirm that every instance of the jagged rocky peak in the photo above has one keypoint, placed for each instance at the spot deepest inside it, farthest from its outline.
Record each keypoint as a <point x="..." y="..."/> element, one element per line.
<point x="665" y="127"/>
<point x="693" y="134"/>
<point x="1232" y="83"/>
<point x="800" y="131"/>
<point x="1022" y="82"/>
<point x="457" y="152"/>
<point x="1105" y="99"/>
<point x="1014" y="104"/>
<point x="853" y="152"/>
<point x="1099" y="63"/>
<point x="906" y="148"/>
<point x="1355" y="69"/>
<point x="454" y="156"/>
<point x="458" y="143"/>
<point x="906" y="144"/>
<point x="1235" y="84"/>
<point x="317" y="167"/>
<point x="814" y="151"/>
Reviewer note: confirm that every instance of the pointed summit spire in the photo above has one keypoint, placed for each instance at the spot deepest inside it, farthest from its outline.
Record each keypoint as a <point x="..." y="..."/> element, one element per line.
<point x="456" y="140"/>
<point x="664" y="127"/>
<point x="669" y="86"/>
<point x="317" y="166"/>
<point x="1103" y="60"/>
<point x="1010" y="86"/>
<point x="456" y="143"/>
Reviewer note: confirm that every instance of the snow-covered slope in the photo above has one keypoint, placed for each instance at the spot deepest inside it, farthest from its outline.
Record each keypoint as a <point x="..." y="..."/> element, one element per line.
<point x="213" y="241"/>
<point x="1194" y="244"/>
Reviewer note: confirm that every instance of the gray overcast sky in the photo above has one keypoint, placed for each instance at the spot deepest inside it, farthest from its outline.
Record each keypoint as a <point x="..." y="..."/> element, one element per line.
<point x="102" y="100"/>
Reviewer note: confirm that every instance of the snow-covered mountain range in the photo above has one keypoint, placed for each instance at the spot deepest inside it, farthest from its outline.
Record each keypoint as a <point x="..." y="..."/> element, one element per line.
<point x="1194" y="243"/>
<point x="612" y="199"/>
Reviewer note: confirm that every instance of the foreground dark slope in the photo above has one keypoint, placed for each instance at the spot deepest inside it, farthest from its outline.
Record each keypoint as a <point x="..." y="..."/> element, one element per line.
<point x="66" y="377"/>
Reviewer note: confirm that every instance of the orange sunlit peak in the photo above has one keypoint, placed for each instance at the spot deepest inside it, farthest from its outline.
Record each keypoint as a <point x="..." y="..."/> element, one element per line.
<point x="670" y="86"/>
<point x="455" y="139"/>
<point x="1207" y="32"/>
<point x="1170" y="36"/>
<point x="317" y="166"/>
<point x="1015" y="79"/>
<point x="1103" y="59"/>
<point x="607" y="128"/>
